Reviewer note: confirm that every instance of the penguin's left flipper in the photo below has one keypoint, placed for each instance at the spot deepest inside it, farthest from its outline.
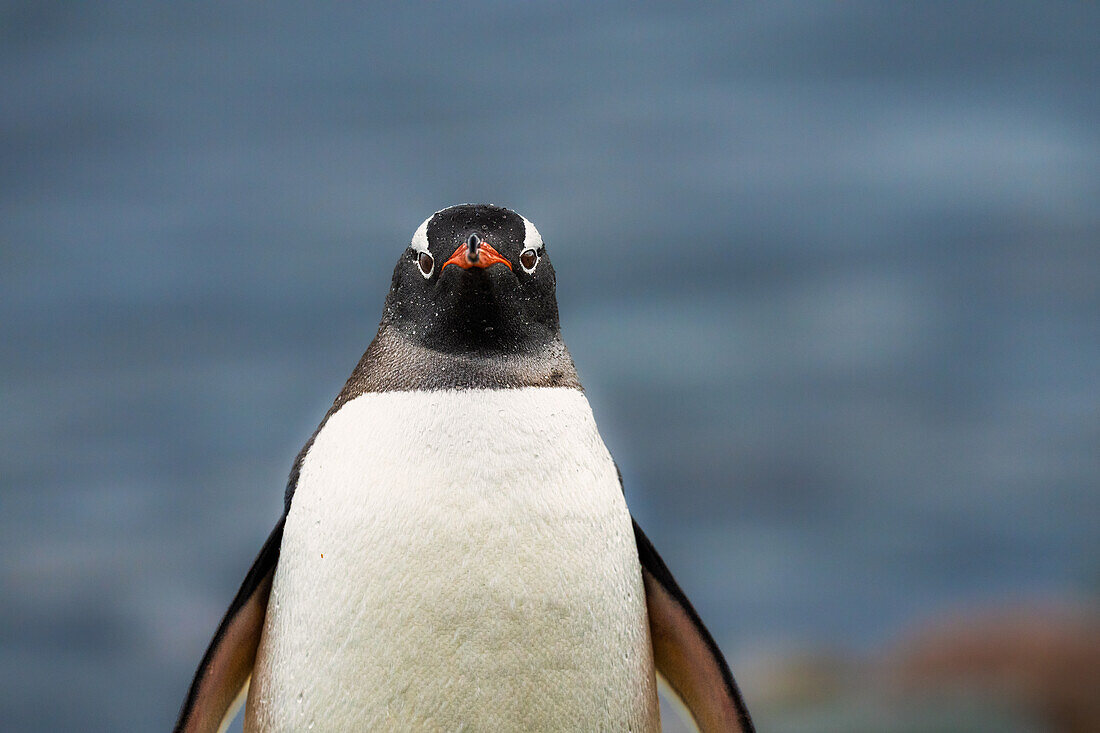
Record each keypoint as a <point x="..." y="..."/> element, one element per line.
<point x="225" y="669"/>
<point x="685" y="653"/>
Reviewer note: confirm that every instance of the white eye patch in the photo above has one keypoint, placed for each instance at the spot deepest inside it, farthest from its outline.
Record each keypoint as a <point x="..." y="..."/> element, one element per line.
<point x="531" y="237"/>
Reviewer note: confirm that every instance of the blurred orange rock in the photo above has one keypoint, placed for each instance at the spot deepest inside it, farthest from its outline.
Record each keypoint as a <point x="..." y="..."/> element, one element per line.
<point x="1045" y="660"/>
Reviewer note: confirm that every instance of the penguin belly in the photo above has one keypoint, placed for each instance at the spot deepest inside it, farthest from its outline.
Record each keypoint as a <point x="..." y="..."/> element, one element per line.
<point x="457" y="560"/>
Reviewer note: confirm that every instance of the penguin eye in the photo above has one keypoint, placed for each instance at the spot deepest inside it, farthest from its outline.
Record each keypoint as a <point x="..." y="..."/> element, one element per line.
<point x="426" y="264"/>
<point x="529" y="259"/>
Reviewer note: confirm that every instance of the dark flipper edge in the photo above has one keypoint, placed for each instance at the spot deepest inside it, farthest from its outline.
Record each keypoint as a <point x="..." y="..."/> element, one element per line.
<point x="684" y="651"/>
<point x="227" y="664"/>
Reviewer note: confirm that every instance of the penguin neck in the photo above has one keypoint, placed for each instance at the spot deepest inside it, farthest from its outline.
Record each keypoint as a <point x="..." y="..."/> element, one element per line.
<point x="394" y="362"/>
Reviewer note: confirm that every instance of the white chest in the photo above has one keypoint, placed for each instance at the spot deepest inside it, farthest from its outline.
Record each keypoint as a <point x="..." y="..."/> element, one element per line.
<point x="457" y="559"/>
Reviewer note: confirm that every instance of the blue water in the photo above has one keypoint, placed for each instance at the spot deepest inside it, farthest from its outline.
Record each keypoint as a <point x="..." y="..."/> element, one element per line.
<point x="829" y="273"/>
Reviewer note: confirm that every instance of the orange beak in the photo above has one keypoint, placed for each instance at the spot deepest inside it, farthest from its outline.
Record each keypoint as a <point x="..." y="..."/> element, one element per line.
<point x="482" y="256"/>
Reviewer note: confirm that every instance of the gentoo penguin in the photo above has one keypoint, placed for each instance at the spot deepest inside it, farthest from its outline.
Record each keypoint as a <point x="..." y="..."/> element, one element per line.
<point x="455" y="551"/>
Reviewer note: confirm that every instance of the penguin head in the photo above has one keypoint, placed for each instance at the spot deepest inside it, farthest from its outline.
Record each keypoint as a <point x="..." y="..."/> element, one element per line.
<point x="474" y="278"/>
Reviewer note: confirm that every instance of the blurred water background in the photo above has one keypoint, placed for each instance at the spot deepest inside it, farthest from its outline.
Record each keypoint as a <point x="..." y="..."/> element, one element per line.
<point x="829" y="273"/>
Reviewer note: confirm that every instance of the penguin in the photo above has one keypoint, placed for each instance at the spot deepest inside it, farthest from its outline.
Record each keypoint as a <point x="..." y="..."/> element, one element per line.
<point x="456" y="551"/>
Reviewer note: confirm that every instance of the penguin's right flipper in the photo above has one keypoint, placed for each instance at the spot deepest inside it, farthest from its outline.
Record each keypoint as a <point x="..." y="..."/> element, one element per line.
<point x="226" y="668"/>
<point x="684" y="652"/>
